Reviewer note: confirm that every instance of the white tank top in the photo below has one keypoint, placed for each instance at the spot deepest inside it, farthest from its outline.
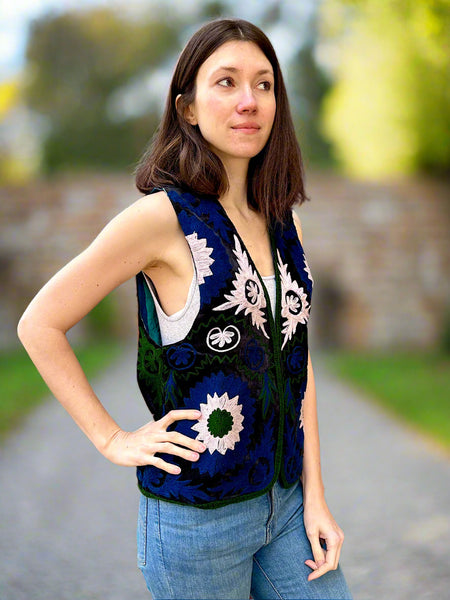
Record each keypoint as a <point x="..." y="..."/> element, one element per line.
<point x="175" y="327"/>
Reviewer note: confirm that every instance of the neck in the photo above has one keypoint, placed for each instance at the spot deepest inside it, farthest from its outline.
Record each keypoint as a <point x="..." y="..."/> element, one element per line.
<point x="235" y="198"/>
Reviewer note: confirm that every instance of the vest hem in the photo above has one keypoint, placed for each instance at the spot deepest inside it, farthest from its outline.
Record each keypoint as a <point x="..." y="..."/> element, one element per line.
<point x="219" y="503"/>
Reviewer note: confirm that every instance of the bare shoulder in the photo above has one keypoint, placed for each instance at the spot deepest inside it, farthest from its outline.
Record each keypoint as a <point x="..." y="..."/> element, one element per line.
<point x="155" y="210"/>
<point x="298" y="225"/>
<point x="142" y="230"/>
<point x="151" y="215"/>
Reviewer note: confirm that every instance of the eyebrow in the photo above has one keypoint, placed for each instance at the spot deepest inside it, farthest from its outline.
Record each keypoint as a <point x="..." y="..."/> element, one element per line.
<point x="236" y="70"/>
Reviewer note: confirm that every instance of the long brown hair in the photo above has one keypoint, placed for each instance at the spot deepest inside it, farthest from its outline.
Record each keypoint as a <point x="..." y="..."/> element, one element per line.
<point x="179" y="155"/>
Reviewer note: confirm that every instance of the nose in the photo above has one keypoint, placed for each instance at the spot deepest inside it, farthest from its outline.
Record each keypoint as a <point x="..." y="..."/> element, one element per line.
<point x="247" y="101"/>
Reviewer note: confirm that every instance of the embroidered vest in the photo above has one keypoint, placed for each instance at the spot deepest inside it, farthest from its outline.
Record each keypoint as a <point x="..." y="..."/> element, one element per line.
<point x="243" y="369"/>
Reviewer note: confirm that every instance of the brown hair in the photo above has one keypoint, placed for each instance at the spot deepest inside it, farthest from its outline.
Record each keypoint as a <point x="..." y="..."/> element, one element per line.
<point x="179" y="155"/>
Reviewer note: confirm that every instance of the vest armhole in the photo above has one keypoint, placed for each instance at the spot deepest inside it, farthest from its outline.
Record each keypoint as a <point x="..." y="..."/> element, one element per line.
<point x="147" y="310"/>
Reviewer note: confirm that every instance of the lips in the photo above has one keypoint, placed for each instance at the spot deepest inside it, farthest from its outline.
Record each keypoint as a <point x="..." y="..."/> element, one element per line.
<point x="249" y="126"/>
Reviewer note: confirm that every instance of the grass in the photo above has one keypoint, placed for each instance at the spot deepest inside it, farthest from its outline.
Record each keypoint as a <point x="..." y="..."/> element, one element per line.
<point x="22" y="388"/>
<point x="414" y="386"/>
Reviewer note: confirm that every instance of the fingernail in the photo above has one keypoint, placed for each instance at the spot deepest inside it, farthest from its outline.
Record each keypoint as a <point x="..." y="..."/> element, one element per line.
<point x="201" y="447"/>
<point x="194" y="455"/>
<point x="177" y="471"/>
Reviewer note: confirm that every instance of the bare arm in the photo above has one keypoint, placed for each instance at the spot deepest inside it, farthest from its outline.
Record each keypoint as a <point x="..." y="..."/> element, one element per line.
<point x="319" y="522"/>
<point x="132" y="241"/>
<point x="312" y="474"/>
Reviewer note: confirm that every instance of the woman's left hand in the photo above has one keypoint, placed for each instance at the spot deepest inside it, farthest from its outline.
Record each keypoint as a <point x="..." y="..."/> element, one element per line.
<point x="320" y="525"/>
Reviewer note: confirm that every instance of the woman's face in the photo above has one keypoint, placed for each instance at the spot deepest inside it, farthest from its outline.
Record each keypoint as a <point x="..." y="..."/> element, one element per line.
<point x="234" y="104"/>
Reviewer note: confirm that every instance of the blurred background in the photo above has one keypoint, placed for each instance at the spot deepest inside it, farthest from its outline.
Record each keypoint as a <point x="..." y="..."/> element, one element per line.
<point x="82" y="87"/>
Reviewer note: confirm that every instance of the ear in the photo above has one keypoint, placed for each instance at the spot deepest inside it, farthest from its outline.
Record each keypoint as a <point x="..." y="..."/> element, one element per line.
<point x="186" y="111"/>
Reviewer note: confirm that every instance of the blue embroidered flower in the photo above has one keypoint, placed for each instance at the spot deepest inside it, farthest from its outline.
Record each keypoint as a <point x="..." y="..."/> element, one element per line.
<point x="229" y="433"/>
<point x="151" y="477"/>
<point x="181" y="357"/>
<point x="253" y="355"/>
<point x="297" y="359"/>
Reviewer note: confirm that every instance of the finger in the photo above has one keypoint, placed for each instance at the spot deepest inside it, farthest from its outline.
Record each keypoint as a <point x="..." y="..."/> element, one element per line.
<point x="331" y="559"/>
<point x="158" y="462"/>
<point x="317" y="550"/>
<point x="168" y="448"/>
<point x="337" y="556"/>
<point x="183" y="440"/>
<point x="339" y="548"/>
<point x="334" y="543"/>
<point x="324" y="568"/>
<point x="178" y="415"/>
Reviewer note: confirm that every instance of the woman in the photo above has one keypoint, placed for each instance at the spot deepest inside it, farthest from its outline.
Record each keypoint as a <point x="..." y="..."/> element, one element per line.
<point x="232" y="500"/>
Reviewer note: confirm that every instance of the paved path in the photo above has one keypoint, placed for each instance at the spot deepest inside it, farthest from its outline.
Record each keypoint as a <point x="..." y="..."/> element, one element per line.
<point x="68" y="517"/>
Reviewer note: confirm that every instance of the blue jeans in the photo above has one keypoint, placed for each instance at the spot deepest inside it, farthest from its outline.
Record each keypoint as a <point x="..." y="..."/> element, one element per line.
<point x="255" y="547"/>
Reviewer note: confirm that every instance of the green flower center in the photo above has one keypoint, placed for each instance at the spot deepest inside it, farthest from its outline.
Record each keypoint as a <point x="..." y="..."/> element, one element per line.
<point x="220" y="422"/>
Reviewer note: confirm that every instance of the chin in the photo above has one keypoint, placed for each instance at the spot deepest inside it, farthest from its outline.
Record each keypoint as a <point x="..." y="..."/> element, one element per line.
<point x="248" y="152"/>
<point x="227" y="154"/>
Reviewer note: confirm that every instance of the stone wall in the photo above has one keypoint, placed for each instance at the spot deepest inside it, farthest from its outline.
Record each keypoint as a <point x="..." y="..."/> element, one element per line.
<point x="381" y="258"/>
<point x="43" y="226"/>
<point x="379" y="254"/>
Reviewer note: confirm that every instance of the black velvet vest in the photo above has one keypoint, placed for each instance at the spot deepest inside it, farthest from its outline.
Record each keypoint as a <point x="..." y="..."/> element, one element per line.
<point x="245" y="370"/>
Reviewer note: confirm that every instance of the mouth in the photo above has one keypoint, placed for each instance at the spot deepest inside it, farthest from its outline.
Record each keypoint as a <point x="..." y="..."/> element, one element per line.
<point x="246" y="127"/>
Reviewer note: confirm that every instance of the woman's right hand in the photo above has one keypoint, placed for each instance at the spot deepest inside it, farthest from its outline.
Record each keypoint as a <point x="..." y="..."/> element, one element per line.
<point x="139" y="448"/>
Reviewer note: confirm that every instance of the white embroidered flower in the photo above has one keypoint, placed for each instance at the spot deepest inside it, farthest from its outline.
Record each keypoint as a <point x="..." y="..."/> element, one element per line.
<point x="294" y="305"/>
<point x="223" y="340"/>
<point x="252" y="291"/>
<point x="300" y="421"/>
<point x="201" y="254"/>
<point x="308" y="270"/>
<point x="248" y="294"/>
<point x="220" y="423"/>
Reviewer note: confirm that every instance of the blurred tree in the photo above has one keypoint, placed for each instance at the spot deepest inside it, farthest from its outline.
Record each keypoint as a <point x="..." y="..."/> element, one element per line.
<point x="19" y="145"/>
<point x="389" y="110"/>
<point x="272" y="13"/>
<point x="213" y="10"/>
<point x="9" y="91"/>
<point x="308" y="86"/>
<point x="76" y="61"/>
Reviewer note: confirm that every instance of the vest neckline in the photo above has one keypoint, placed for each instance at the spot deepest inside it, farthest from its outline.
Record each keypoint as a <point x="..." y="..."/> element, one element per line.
<point x="274" y="323"/>
<point x="235" y="231"/>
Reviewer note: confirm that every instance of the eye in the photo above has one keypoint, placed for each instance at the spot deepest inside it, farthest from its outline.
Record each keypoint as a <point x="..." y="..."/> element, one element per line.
<point x="226" y="82"/>
<point x="265" y="85"/>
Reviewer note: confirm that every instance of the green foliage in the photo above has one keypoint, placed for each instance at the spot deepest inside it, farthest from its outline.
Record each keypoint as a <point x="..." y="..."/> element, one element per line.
<point x="389" y="110"/>
<point x="308" y="87"/>
<point x="22" y="388"/>
<point x="414" y="386"/>
<point x="213" y="10"/>
<point x="102" y="321"/>
<point x="77" y="62"/>
<point x="445" y="339"/>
